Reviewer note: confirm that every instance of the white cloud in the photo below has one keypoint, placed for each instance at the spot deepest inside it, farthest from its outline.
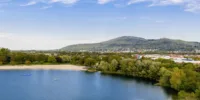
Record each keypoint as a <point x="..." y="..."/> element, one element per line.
<point x="104" y="1"/>
<point x="118" y="5"/>
<point x="33" y="2"/>
<point x="46" y="7"/>
<point x="189" y="5"/>
<point x="157" y="2"/>
<point x="193" y="6"/>
<point x="136" y="1"/>
<point x="29" y="3"/>
<point x="65" y="1"/>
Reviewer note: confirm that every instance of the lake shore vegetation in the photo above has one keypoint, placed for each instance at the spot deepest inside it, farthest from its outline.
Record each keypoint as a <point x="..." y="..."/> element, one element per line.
<point x="182" y="77"/>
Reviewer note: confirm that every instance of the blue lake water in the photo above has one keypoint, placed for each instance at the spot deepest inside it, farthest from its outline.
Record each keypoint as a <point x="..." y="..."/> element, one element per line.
<point x="75" y="85"/>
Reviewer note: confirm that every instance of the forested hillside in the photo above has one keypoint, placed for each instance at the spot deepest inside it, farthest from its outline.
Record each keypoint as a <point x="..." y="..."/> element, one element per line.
<point x="130" y="42"/>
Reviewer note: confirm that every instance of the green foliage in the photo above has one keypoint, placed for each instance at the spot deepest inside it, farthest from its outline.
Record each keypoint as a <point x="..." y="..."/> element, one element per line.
<point x="89" y="62"/>
<point x="27" y="62"/>
<point x="177" y="78"/>
<point x="197" y="93"/>
<point x="59" y="59"/>
<point x="182" y="95"/>
<point x="51" y="59"/>
<point x="40" y="58"/>
<point x="190" y="82"/>
<point x="165" y="77"/>
<point x="13" y="63"/>
<point x="113" y="66"/>
<point x="2" y="59"/>
<point x="126" y="66"/>
<point x="18" y="57"/>
<point x="104" y="66"/>
<point x="4" y="55"/>
<point x="66" y="58"/>
<point x="153" y="71"/>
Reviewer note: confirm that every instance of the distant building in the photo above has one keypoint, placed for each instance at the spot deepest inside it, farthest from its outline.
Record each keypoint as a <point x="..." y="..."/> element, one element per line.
<point x="186" y="60"/>
<point x="197" y="51"/>
<point x="175" y="58"/>
<point x="83" y="50"/>
<point x="157" y="56"/>
<point x="138" y="56"/>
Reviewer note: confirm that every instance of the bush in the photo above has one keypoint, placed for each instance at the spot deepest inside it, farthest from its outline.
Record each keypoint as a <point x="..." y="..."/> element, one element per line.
<point x="51" y="59"/>
<point x="89" y="62"/>
<point x="13" y="63"/>
<point x="1" y="63"/>
<point x="41" y="62"/>
<point x="27" y="62"/>
<point x="182" y="95"/>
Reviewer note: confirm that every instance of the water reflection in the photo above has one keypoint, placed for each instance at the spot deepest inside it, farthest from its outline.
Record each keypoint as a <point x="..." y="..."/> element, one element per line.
<point x="144" y="84"/>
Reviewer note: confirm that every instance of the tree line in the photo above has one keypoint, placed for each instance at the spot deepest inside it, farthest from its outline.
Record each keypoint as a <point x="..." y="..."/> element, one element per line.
<point x="183" y="77"/>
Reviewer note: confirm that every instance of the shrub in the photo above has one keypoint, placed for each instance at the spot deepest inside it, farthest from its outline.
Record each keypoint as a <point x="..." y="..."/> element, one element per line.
<point x="182" y="95"/>
<point x="1" y="63"/>
<point x="27" y="62"/>
<point x="13" y="63"/>
<point x="51" y="59"/>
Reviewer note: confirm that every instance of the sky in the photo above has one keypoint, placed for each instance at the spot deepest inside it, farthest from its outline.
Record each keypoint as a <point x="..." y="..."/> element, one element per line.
<point x="53" y="24"/>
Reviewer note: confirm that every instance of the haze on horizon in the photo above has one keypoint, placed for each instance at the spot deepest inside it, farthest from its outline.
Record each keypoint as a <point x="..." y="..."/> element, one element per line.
<point x="53" y="24"/>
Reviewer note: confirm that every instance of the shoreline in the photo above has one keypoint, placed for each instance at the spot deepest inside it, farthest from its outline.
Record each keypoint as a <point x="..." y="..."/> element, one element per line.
<point x="43" y="67"/>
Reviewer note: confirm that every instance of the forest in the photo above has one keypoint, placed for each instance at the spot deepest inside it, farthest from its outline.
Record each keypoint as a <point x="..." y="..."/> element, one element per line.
<point x="182" y="77"/>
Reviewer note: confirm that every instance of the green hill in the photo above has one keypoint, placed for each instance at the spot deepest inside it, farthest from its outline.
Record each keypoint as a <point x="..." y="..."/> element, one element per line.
<point x="133" y="43"/>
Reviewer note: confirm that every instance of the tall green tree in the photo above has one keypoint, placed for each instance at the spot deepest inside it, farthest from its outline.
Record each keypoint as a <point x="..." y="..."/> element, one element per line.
<point x="4" y="56"/>
<point x="89" y="62"/>
<point x="51" y="59"/>
<point x="104" y="66"/>
<point x="177" y="78"/>
<point x="113" y="65"/>
<point x="165" y="77"/>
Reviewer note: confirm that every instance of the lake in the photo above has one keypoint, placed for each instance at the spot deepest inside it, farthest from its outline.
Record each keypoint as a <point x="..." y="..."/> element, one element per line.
<point x="76" y="85"/>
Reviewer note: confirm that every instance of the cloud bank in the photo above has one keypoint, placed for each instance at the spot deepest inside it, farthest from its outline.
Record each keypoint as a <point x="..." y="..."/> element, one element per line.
<point x="29" y="3"/>
<point x="67" y="2"/>
<point x="189" y="5"/>
<point x="64" y="1"/>
<point x="104" y="1"/>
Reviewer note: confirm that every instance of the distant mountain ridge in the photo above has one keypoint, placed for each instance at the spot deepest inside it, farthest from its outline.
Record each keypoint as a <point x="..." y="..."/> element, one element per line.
<point x="133" y="43"/>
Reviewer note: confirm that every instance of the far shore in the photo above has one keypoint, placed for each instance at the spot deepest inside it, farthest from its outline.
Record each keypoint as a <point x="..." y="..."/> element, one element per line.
<point x="43" y="67"/>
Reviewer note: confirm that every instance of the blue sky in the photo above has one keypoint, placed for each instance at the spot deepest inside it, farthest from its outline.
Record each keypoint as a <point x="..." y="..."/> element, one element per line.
<point x="52" y="24"/>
